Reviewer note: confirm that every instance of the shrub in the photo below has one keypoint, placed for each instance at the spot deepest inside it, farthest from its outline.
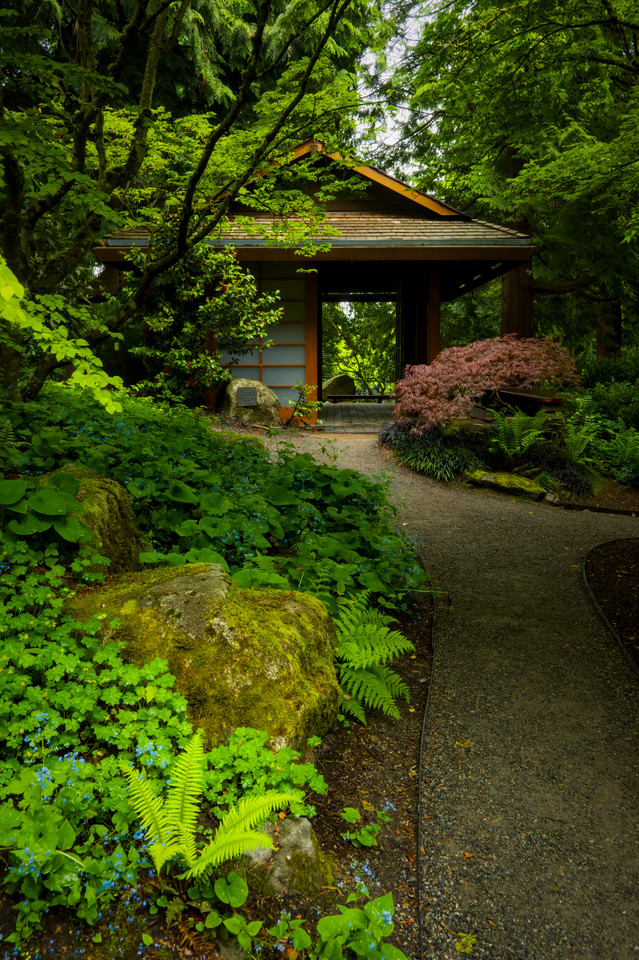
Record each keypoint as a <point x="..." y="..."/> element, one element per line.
<point x="619" y="455"/>
<point x="557" y="465"/>
<point x="73" y="714"/>
<point x="616" y="401"/>
<point x="446" y="390"/>
<point x="289" y="522"/>
<point x="618" y="368"/>
<point x="434" y="453"/>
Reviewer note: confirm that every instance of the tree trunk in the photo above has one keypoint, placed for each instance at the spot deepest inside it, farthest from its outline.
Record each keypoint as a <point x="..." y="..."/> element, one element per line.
<point x="10" y="366"/>
<point x="609" y="327"/>
<point x="517" y="302"/>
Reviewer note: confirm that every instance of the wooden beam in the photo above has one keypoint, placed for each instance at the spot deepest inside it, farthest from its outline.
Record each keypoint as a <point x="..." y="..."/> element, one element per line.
<point x="414" y="253"/>
<point x="413" y="305"/>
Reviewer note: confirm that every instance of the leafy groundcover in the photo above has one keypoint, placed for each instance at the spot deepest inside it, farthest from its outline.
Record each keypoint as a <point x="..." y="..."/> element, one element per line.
<point x="75" y="718"/>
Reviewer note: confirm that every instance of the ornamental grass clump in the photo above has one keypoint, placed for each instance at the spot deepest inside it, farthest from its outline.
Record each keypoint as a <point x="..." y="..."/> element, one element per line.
<point x="436" y="394"/>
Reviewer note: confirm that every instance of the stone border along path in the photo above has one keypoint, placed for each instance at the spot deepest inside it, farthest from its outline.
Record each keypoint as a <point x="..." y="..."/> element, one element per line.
<point x="530" y="768"/>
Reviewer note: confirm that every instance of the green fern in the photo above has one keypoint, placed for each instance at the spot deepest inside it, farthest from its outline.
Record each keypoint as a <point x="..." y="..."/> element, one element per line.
<point x="365" y="645"/>
<point x="171" y="823"/>
<point x="515" y="435"/>
<point x="9" y="445"/>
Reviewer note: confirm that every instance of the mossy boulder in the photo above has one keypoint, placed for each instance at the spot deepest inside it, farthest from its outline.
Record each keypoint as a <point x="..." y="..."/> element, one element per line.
<point x="341" y="385"/>
<point x="510" y="483"/>
<point x="108" y="515"/>
<point x="266" y="408"/>
<point x="242" y="658"/>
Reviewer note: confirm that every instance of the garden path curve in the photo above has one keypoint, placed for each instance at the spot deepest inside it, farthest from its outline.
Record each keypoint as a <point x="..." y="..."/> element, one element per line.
<point x="530" y="767"/>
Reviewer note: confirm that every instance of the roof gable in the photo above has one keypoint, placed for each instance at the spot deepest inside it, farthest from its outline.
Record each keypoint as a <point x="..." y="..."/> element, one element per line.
<point x="383" y="193"/>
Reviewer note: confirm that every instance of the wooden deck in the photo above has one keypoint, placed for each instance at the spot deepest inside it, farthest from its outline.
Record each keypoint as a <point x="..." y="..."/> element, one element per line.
<point x="355" y="417"/>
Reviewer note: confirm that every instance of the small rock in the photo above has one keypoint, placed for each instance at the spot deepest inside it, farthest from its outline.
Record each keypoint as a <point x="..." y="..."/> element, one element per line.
<point x="297" y="865"/>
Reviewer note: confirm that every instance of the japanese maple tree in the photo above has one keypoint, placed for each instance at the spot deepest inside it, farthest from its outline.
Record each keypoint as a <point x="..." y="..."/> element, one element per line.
<point x="434" y="395"/>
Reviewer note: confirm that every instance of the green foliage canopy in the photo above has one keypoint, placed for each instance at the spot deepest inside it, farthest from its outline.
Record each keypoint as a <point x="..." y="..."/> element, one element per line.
<point x="88" y="145"/>
<point x="360" y="341"/>
<point x="528" y="114"/>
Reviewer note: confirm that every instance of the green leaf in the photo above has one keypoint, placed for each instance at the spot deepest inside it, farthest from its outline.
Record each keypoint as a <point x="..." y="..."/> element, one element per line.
<point x="71" y="530"/>
<point x="65" y="482"/>
<point x="213" y="920"/>
<point x="147" y="940"/>
<point x="66" y="835"/>
<point x="301" y="939"/>
<point x="351" y="918"/>
<point x="11" y="491"/>
<point x="29" y="526"/>
<point x="52" y="503"/>
<point x="233" y="890"/>
<point x="206" y="555"/>
<point x="280" y="496"/>
<point x="179" y="492"/>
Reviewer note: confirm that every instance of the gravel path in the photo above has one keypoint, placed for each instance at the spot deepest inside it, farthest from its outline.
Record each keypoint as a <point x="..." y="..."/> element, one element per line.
<point x="530" y="773"/>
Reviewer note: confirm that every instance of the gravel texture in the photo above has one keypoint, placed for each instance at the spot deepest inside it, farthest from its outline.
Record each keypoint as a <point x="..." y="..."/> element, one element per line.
<point x="529" y="773"/>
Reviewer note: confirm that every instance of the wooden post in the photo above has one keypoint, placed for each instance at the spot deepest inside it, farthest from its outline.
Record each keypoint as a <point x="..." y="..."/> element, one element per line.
<point x="313" y="348"/>
<point x="433" y="334"/>
<point x="414" y="315"/>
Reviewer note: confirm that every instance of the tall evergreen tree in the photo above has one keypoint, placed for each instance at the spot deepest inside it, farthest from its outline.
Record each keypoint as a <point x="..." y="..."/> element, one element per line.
<point x="528" y="113"/>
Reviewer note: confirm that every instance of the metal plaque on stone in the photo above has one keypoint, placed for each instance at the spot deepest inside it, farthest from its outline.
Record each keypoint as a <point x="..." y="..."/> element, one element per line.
<point x="247" y="396"/>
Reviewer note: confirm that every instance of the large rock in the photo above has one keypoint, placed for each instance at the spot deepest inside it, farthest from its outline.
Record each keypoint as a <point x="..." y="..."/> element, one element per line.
<point x="266" y="410"/>
<point x="108" y="515"/>
<point x="242" y="658"/>
<point x="342" y="385"/>
<point x="510" y="483"/>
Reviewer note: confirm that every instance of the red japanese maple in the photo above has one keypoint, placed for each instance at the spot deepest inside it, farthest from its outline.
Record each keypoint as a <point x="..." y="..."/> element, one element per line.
<point x="436" y="394"/>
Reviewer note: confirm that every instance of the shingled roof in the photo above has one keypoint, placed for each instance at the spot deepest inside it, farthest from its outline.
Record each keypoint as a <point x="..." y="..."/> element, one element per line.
<point x="363" y="229"/>
<point x="388" y="220"/>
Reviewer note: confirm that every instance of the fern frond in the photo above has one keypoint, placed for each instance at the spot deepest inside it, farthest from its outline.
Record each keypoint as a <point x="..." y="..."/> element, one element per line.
<point x="187" y="784"/>
<point x="162" y="853"/>
<point x="349" y="706"/>
<point x="251" y="811"/>
<point x="375" y="644"/>
<point x="148" y="806"/>
<point x="369" y="688"/>
<point x="365" y="645"/>
<point x="228" y="846"/>
<point x="396" y="686"/>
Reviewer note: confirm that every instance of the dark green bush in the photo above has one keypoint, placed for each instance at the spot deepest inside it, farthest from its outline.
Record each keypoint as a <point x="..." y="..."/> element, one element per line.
<point x="73" y="714"/>
<point x="618" y="368"/>
<point x="198" y="497"/>
<point x="441" y="455"/>
<point x="449" y="454"/>
<point x="616" y="401"/>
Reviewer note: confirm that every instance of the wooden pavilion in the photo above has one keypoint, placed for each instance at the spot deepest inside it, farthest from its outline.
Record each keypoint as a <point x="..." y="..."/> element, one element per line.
<point x="388" y="242"/>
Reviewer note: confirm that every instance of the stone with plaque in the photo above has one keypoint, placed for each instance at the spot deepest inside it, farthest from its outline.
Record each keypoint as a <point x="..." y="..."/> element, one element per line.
<point x="247" y="396"/>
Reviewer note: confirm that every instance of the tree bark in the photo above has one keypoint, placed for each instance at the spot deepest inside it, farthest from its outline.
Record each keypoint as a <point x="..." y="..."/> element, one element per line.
<point x="517" y="311"/>
<point x="517" y="288"/>
<point x="609" y="328"/>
